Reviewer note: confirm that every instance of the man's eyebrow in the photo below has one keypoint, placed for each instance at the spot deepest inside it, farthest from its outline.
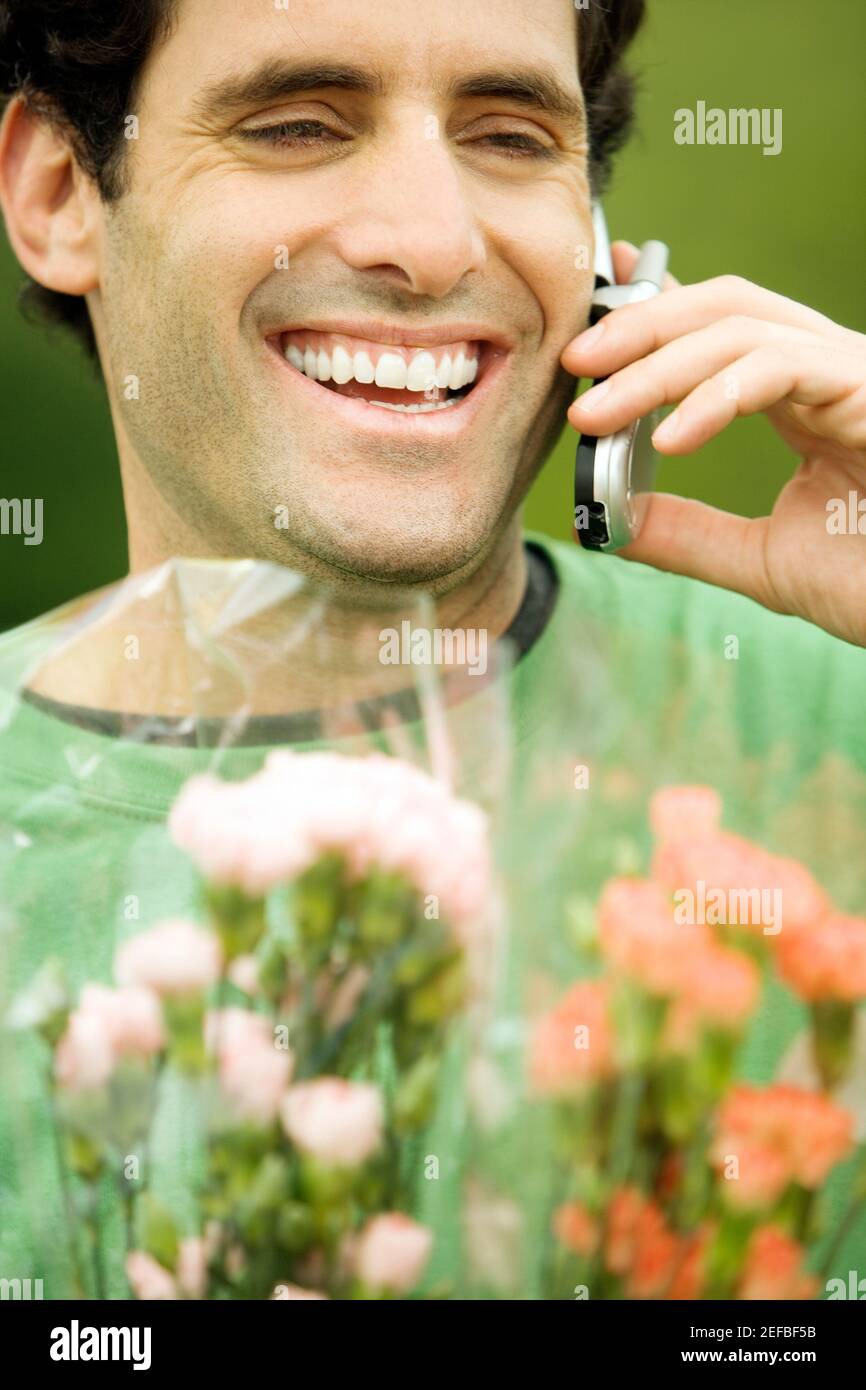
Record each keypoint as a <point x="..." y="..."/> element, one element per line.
<point x="274" y="80"/>
<point x="532" y="87"/>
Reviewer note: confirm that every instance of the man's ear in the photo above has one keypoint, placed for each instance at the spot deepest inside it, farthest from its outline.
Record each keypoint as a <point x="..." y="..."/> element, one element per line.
<point x="49" y="204"/>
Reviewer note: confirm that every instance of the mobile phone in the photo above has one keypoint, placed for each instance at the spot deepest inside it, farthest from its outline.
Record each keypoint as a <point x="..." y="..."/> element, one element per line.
<point x="614" y="475"/>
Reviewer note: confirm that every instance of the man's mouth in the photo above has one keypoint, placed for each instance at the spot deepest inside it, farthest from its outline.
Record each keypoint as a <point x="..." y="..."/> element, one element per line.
<point x="410" y="380"/>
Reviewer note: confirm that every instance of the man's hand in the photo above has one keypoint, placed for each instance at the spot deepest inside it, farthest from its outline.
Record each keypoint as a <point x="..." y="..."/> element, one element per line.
<point x="721" y="349"/>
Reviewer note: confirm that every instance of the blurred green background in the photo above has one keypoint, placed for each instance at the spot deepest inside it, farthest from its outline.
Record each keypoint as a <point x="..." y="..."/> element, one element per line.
<point x="793" y="222"/>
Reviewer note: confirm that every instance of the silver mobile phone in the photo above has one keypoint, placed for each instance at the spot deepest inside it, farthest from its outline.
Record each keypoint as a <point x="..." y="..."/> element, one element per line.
<point x="615" y="474"/>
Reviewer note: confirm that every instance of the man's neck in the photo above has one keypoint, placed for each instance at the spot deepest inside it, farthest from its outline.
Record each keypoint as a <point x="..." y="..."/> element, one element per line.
<point x="290" y="667"/>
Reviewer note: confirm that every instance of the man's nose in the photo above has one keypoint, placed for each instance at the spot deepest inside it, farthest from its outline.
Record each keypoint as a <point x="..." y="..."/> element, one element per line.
<point x="409" y="217"/>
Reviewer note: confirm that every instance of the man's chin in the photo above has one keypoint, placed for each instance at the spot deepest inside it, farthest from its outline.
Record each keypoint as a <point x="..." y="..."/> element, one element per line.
<point x="413" y="557"/>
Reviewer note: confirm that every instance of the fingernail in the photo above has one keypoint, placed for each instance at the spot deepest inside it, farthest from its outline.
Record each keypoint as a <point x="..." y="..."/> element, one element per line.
<point x="667" y="429"/>
<point x="589" y="337"/>
<point x="590" y="399"/>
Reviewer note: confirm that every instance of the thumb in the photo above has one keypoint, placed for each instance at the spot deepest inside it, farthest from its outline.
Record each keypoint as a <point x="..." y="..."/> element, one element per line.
<point x="684" y="536"/>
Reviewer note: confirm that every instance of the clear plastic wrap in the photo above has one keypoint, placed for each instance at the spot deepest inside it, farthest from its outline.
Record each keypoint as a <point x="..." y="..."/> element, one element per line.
<point x="217" y="669"/>
<point x="669" y="1100"/>
<point x="339" y="905"/>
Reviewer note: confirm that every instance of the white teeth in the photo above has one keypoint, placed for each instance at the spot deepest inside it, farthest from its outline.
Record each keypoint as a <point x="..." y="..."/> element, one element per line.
<point x="458" y="371"/>
<point x="391" y="371"/>
<point x="422" y="372"/>
<point x="443" y="372"/>
<point x="364" y="368"/>
<point x="341" y="365"/>
<point x="415" y="409"/>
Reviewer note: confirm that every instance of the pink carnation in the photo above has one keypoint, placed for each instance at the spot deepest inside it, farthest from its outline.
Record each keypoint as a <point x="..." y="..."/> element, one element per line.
<point x="391" y="1253"/>
<point x="253" y="1071"/>
<point x="173" y="958"/>
<point x="226" y="1030"/>
<point x="192" y="1263"/>
<point x="150" y="1281"/>
<point x="254" y="1078"/>
<point x="338" y="1122"/>
<point x="133" y="1017"/>
<point x="244" y="974"/>
<point x="373" y="811"/>
<point x="239" y="833"/>
<point x="84" y="1057"/>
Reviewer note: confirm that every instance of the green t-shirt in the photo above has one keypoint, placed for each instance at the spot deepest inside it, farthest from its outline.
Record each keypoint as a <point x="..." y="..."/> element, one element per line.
<point x="639" y="679"/>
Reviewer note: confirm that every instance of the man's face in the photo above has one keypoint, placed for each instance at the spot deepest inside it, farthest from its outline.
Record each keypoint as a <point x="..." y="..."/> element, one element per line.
<point x="385" y="195"/>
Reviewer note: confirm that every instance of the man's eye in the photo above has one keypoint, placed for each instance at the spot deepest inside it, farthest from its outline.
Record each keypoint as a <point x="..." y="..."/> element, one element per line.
<point x="516" y="143"/>
<point x="291" y="133"/>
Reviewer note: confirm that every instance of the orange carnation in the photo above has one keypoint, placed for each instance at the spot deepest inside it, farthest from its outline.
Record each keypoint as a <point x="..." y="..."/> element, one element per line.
<point x="828" y="962"/>
<point x="720" y="991"/>
<point x="576" y="1228"/>
<point x="573" y="1044"/>
<point x="741" y="870"/>
<point x="639" y="937"/>
<point x="639" y="1246"/>
<point x="778" y="1135"/>
<point x="774" y="1269"/>
<point x="689" y="1280"/>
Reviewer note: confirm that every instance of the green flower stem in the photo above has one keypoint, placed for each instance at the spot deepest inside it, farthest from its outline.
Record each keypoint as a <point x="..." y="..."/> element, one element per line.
<point x="832" y="1039"/>
<point x="97" y="1245"/>
<point x="692" y="1193"/>
<point x="66" y="1197"/>
<point x="849" y="1217"/>
<point x="239" y="921"/>
<point x="128" y="1199"/>
<point x="630" y="1094"/>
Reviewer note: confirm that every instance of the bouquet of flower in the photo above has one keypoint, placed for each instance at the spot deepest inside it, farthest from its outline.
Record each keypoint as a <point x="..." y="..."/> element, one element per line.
<point x="285" y="1049"/>
<point x="654" y="1171"/>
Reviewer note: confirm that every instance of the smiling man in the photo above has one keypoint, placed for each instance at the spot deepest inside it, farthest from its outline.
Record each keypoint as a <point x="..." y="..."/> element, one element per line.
<point x="325" y="257"/>
<point x="334" y="273"/>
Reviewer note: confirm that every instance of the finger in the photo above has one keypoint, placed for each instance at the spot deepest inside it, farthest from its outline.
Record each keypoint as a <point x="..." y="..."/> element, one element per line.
<point x="634" y="330"/>
<point x="669" y="374"/>
<point x="683" y="536"/>
<point x="832" y="383"/>
<point x="624" y="255"/>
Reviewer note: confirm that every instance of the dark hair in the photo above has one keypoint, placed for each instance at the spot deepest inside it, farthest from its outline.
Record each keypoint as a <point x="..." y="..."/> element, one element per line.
<point x="77" y="63"/>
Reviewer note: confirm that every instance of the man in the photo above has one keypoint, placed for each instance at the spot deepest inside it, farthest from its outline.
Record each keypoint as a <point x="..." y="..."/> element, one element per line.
<point x="326" y="255"/>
